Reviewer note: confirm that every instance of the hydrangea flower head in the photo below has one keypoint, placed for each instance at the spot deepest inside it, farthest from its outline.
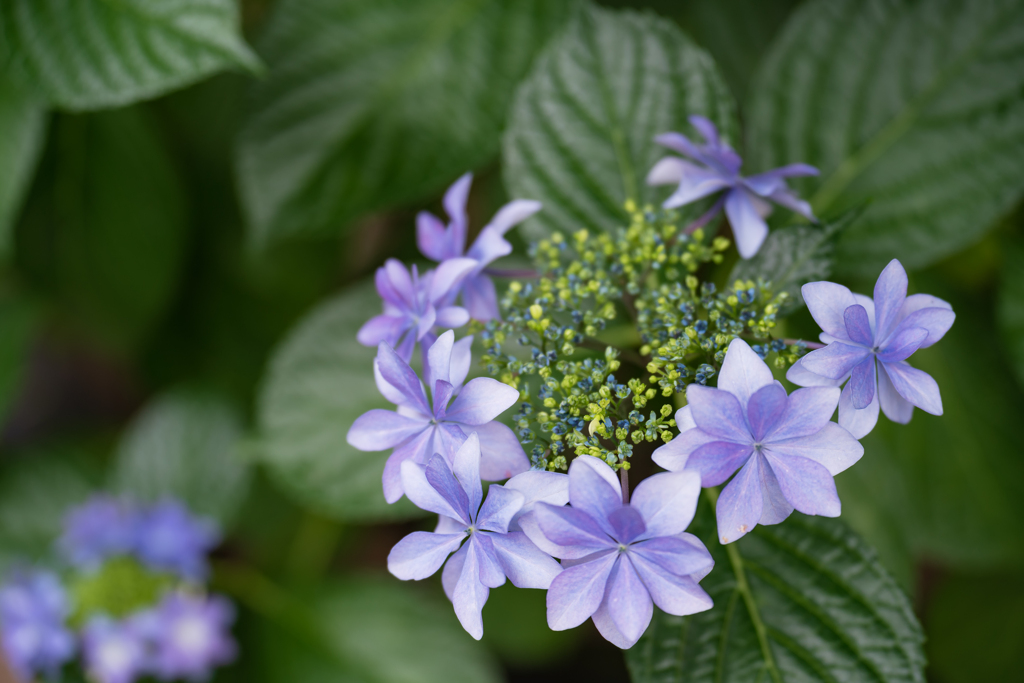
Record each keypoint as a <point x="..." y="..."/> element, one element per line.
<point x="102" y="527"/>
<point x="785" y="447"/>
<point x="440" y="242"/>
<point x="486" y="552"/>
<point x="717" y="169"/>
<point x="415" y="304"/>
<point x="621" y="559"/>
<point x="869" y="342"/>
<point x="424" y="426"/>
<point x="114" y="651"/>
<point x="189" y="636"/>
<point x="171" y="539"/>
<point x="33" y="612"/>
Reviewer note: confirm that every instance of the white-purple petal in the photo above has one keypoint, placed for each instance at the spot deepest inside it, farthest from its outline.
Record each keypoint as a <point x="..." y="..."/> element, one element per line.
<point x="454" y="202"/>
<point x="480" y="298"/>
<point x="674" y="455"/>
<point x="525" y="565"/>
<point x="447" y="277"/>
<point x="451" y="317"/>
<point x="382" y="328"/>
<point x="719" y="413"/>
<point x="491" y="574"/>
<point x="421" y="554"/>
<point x="577" y="592"/>
<point x="424" y="494"/>
<point x="676" y="554"/>
<point x="858" y="326"/>
<point x="667" y="502"/>
<point x="439" y="359"/>
<point x="895" y="407"/>
<point x="743" y="372"/>
<point x="433" y="240"/>
<point x="740" y="505"/>
<point x="903" y="343"/>
<point x="832" y="446"/>
<point x="764" y="410"/>
<point x="627" y="600"/>
<point x="696" y="182"/>
<point x="481" y="400"/>
<point x="862" y="383"/>
<point x="501" y="506"/>
<point x="591" y="492"/>
<point x="571" y="534"/>
<point x="378" y="430"/>
<point x="748" y="227"/>
<point x="807" y="485"/>
<point x="889" y="296"/>
<point x="802" y="377"/>
<point x="470" y="594"/>
<point x="538" y="486"/>
<point x="859" y="423"/>
<point x="398" y="374"/>
<point x="466" y="468"/>
<point x="462" y="358"/>
<point x="672" y="593"/>
<point x="417" y="450"/>
<point x="489" y="246"/>
<point x="836" y="360"/>
<point x="775" y="508"/>
<point x="716" y="461"/>
<point x="453" y="571"/>
<point x="807" y="412"/>
<point x="607" y="628"/>
<point x="827" y="303"/>
<point x="916" y="386"/>
<point x="385" y="388"/>
<point x="667" y="171"/>
<point x="501" y="454"/>
<point x="627" y="524"/>
<point x="935" y="319"/>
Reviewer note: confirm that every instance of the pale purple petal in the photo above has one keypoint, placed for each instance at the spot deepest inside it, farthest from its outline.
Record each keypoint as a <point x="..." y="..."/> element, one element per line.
<point x="802" y="377"/>
<point x="784" y="196"/>
<point x="858" y="326"/>
<point x="466" y="468"/>
<point x="674" y="455"/>
<point x="451" y="317"/>
<point x="482" y="400"/>
<point x="571" y="534"/>
<point x="386" y="389"/>
<point x="408" y="343"/>
<point x="433" y="239"/>
<point x="827" y="303"/>
<point x="381" y="328"/>
<point x="470" y="594"/>
<point x="627" y="600"/>
<point x="903" y="343"/>
<point x="696" y="183"/>
<point x="748" y="227"/>
<point x="668" y="171"/>
<point x="718" y="412"/>
<point x="775" y="508"/>
<point x="835" y="360"/>
<point x="421" y="554"/>
<point x="439" y="475"/>
<point x="415" y="450"/>
<point x="501" y="506"/>
<point x="455" y="199"/>
<point x="743" y="372"/>
<point x="538" y="486"/>
<point x="627" y="523"/>
<point x="678" y="555"/>
<point x="667" y="502"/>
<point x="447" y="525"/>
<point x="935" y="319"/>
<point x="895" y="407"/>
<point x="398" y="374"/>
<point x="859" y="423"/>
<point x="890" y="293"/>
<point x="607" y="628"/>
<point x="525" y="565"/>
<point x="489" y="246"/>
<point x="599" y="466"/>
<point x="462" y="358"/>
<point x="765" y="409"/>
<point x="717" y="461"/>
<point x="862" y="383"/>
<point x="501" y="454"/>
<point x="448" y="276"/>
<point x="807" y="412"/>
<point x="684" y="419"/>
<point x="591" y="492"/>
<point x="393" y="299"/>
<point x="426" y="324"/>
<point x="529" y="525"/>
<point x="706" y="128"/>
<point x="491" y="574"/>
<point x="916" y="386"/>
<point x="439" y="359"/>
<point x="453" y="571"/>
<point x="740" y="505"/>
<point x="400" y="281"/>
<point x="442" y="394"/>
<point x="377" y="430"/>
<point x="807" y="485"/>
<point x="421" y="490"/>
<point x="833" y="447"/>
<point x="577" y="592"/>
<point x="480" y="298"/>
<point x="673" y="594"/>
<point x="514" y="213"/>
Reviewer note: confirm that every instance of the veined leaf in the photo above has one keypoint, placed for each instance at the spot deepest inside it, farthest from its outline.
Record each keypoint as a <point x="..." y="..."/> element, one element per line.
<point x="917" y="107"/>
<point x="582" y="128"/>
<point x="22" y="130"/>
<point x="371" y="103"/>
<point x="91" y="54"/>
<point x="805" y="600"/>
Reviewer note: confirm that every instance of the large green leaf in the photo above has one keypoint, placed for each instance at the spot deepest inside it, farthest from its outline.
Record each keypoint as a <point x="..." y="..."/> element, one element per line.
<point x="370" y="103"/>
<point x="89" y="54"/>
<point x="1011" y="307"/>
<point x="22" y="129"/>
<point x="917" y="107"/>
<point x="581" y="134"/>
<point x="319" y="382"/>
<point x="185" y="446"/>
<point x="805" y="600"/>
<point x="18" y="319"/>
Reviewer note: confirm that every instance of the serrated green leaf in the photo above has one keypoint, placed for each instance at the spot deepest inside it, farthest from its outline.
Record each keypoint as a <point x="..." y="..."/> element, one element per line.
<point x="185" y="445"/>
<point x="581" y="132"/>
<point x="917" y="107"/>
<point x="319" y="381"/>
<point x="791" y="257"/>
<point x="371" y="103"/>
<point x="805" y="600"/>
<point x="22" y="130"/>
<point x="1010" y="312"/>
<point x="92" y="54"/>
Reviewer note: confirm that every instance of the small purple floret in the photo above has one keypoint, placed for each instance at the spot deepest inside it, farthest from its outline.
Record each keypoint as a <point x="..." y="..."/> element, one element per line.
<point x="33" y="612"/>
<point x="100" y="528"/>
<point x="114" y="651"/>
<point x="189" y="636"/>
<point x="173" y="540"/>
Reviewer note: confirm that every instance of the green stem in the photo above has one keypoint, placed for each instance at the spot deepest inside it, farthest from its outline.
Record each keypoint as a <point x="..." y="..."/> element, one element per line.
<point x="743" y="587"/>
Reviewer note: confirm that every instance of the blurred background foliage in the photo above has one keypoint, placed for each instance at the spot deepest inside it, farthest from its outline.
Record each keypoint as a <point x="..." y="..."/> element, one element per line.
<point x="188" y="224"/>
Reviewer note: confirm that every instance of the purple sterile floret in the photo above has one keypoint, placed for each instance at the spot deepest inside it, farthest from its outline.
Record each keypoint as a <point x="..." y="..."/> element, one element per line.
<point x="99" y="528"/>
<point x="33" y="613"/>
<point x="869" y="341"/>
<point x="440" y="242"/>
<point x="171" y="539"/>
<point x="114" y="651"/>
<point x="491" y="553"/>
<point x="188" y="636"/>
<point x="621" y="559"/>
<point x="414" y="305"/>
<point x="746" y="200"/>
<point x="438" y="419"/>
<point x="785" y="447"/>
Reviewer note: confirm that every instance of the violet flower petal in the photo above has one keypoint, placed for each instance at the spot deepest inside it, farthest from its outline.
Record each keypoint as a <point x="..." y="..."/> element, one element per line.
<point x="667" y="171"/>
<point x="377" y="430"/>
<point x="448" y="276"/>
<point x="454" y="202"/>
<point x="381" y="328"/>
<point x="807" y="412"/>
<point x="748" y="227"/>
<point x="577" y="592"/>
<point x="765" y="408"/>
<point x="903" y="343"/>
<point x="916" y="386"/>
<point x="439" y="476"/>
<point x="398" y="374"/>
<point x="895" y="407"/>
<point x="591" y="492"/>
<point x="501" y="506"/>
<point x="466" y="468"/>
<point x="835" y="360"/>
<point x="538" y="486"/>
<point x="672" y="593"/>
<point x="862" y="383"/>
<point x="424" y="494"/>
<point x="802" y="377"/>
<point x="627" y="600"/>
<point x="421" y="554"/>
<point x="832" y="446"/>
<point x="775" y="509"/>
<point x="858" y="326"/>
<point x="674" y="555"/>
<point x="890" y="293"/>
<point x="807" y="485"/>
<point x="451" y="317"/>
<point x="438" y="359"/>
<point x="501" y="454"/>
<point x="740" y="505"/>
<point x="718" y="412"/>
<point x="487" y="558"/>
<point x="481" y="298"/>
<point x="936" y="320"/>
<point x="482" y="400"/>
<point x="470" y="594"/>
<point x="415" y="450"/>
<point x="525" y="565"/>
<point x="433" y="239"/>
<point x="859" y="423"/>
<point x="743" y="372"/>
<point x="385" y="388"/>
<point x="667" y="502"/>
<point x="627" y="524"/>
<point x="573" y="532"/>
<point x="827" y="303"/>
<point x="461" y="359"/>
<point x="453" y="571"/>
<point x="717" y="461"/>
<point x="674" y="455"/>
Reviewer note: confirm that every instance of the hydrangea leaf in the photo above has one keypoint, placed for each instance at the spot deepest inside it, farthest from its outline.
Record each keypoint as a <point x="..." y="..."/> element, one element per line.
<point x="22" y="131"/>
<point x="1011" y="307"/>
<point x="185" y="446"/>
<point x="581" y="133"/>
<point x="372" y="103"/>
<point x="805" y="600"/>
<point x="319" y="381"/>
<point x="91" y="54"/>
<point x="909" y="105"/>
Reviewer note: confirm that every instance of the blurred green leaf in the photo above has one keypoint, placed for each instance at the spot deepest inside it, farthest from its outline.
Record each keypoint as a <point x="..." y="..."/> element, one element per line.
<point x="515" y="628"/>
<point x="185" y="446"/>
<point x="319" y="381"/>
<point x="916" y="107"/>
<point x="581" y="133"/>
<point x="1010" y="311"/>
<point x="17" y="324"/>
<point x="105" y="228"/>
<point x="371" y="103"/>
<point x="91" y="54"/>
<point x="374" y="631"/>
<point x="22" y="131"/>
<point x="829" y="610"/>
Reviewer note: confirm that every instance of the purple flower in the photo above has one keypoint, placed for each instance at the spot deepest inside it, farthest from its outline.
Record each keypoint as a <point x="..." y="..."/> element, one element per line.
<point x="188" y="636"/>
<point x="746" y="200"/>
<point x="860" y="331"/>
<point x="172" y="539"/>
<point x="491" y="552"/>
<point x="785" y="448"/>
<point x="619" y="558"/>
<point x="33" y="611"/>
<point x="423" y="426"/>
<point x="114" y="651"/>
<point x="414" y="305"/>
<point x="100" y="528"/>
<point x="440" y="243"/>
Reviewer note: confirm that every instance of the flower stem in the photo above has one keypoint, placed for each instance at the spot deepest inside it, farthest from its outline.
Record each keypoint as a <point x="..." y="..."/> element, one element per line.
<point x="809" y="344"/>
<point x="705" y="217"/>
<point x="743" y="587"/>
<point x="624" y="482"/>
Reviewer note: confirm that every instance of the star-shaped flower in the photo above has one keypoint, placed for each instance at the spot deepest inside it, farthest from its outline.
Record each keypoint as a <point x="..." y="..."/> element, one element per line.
<point x="491" y="553"/>
<point x="746" y="200"/>
<point x="188" y="636"/>
<point x="439" y="243"/>
<point x="422" y="427"/>
<point x="33" y="614"/>
<point x="620" y="560"/>
<point x="785" y="448"/>
<point x="860" y="331"/>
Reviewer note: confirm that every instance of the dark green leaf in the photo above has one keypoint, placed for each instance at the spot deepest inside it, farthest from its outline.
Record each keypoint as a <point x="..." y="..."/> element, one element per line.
<point x="319" y="382"/>
<point x="22" y="130"/>
<point x="370" y="103"/>
<point x="90" y="54"/>
<point x="1011" y="307"/>
<point x="185" y="446"/>
<point x="805" y="600"/>
<point x="581" y="134"/>
<point x="913" y="106"/>
<point x="17" y="325"/>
